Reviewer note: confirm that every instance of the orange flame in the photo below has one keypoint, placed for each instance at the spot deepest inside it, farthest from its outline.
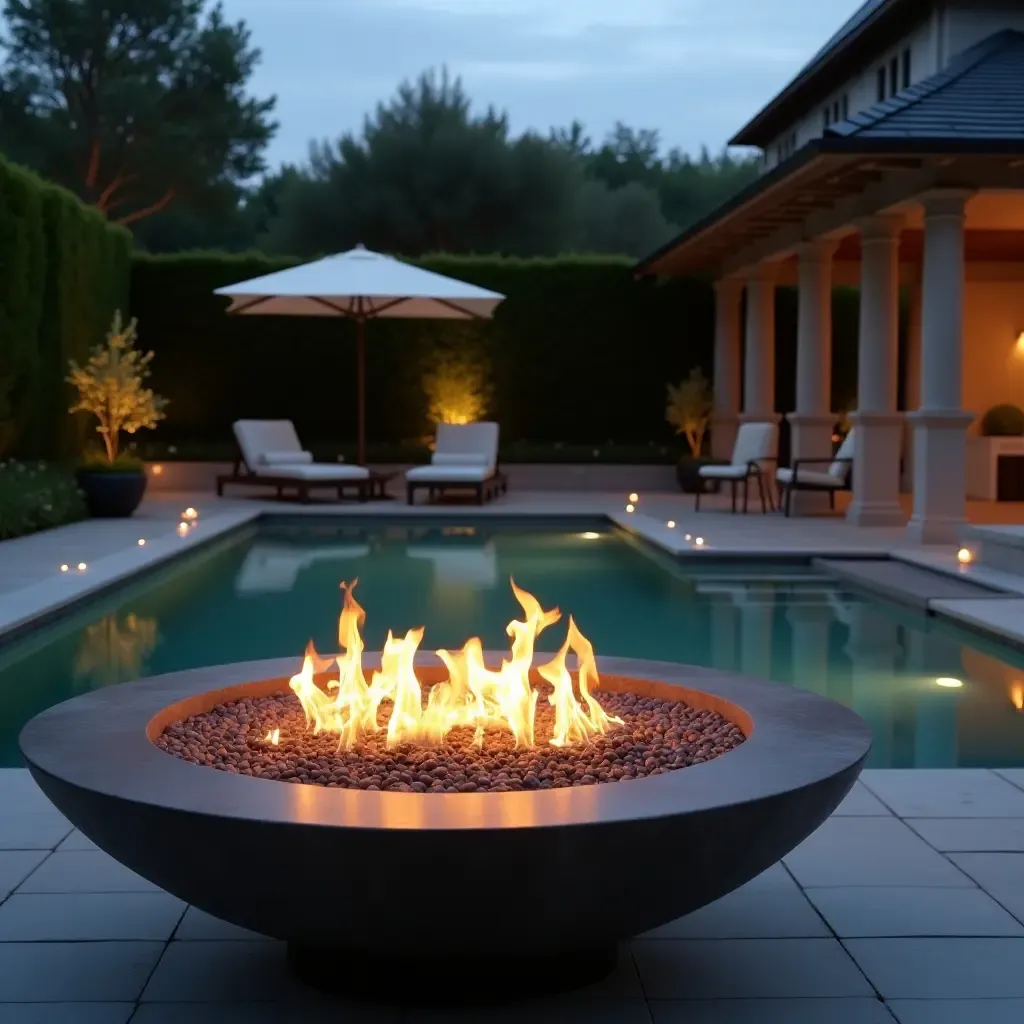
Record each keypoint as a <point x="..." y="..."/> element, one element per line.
<point x="473" y="695"/>
<point x="1017" y="696"/>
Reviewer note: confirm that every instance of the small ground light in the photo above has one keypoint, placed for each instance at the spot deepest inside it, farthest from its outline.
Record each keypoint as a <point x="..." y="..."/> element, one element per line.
<point x="590" y="535"/>
<point x="671" y="524"/>
<point x="688" y="536"/>
<point x="190" y="514"/>
<point x="964" y="556"/>
<point x="699" y="542"/>
<point x="182" y="529"/>
<point x="630" y="507"/>
<point x="142" y="542"/>
<point x="157" y="470"/>
<point x="949" y="682"/>
<point x="82" y="566"/>
<point x="634" y="497"/>
<point x="64" y="568"/>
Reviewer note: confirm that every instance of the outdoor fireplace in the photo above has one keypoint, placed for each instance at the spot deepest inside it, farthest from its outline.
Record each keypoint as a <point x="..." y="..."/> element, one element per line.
<point x="502" y="817"/>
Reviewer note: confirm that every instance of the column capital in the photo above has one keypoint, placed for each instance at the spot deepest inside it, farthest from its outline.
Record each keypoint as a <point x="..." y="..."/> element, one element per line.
<point x="880" y="228"/>
<point x="762" y="273"/>
<point x="729" y="287"/>
<point x="817" y="250"/>
<point x="945" y="202"/>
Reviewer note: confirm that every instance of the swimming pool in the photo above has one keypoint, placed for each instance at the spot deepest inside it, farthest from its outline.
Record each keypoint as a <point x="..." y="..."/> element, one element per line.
<point x="264" y="592"/>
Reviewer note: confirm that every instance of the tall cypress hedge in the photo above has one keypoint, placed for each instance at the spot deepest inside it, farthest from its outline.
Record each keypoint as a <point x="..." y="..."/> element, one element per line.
<point x="580" y="351"/>
<point x="64" y="270"/>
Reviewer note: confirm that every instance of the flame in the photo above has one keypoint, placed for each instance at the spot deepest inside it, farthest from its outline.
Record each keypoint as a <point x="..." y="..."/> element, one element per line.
<point x="273" y="736"/>
<point x="1017" y="696"/>
<point x="473" y="696"/>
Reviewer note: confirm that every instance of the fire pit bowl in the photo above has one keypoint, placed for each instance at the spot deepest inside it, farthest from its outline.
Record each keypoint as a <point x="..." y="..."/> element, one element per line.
<point x="527" y="891"/>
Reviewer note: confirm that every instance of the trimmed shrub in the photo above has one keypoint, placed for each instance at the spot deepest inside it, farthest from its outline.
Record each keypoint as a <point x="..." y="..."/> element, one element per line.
<point x="35" y="496"/>
<point x="1003" y="421"/>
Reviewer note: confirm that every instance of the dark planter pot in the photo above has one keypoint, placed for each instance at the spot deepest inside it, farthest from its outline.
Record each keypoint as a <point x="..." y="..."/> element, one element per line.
<point x="687" y="473"/>
<point x="111" y="495"/>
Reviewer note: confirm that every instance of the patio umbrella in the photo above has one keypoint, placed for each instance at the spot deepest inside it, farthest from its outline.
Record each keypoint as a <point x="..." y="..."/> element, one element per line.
<point x="361" y="285"/>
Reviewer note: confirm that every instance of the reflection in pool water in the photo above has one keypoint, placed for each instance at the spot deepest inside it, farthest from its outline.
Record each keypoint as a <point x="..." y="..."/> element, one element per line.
<point x="265" y="593"/>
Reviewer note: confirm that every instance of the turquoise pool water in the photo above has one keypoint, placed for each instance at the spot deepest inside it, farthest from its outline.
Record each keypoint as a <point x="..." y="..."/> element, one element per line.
<point x="264" y="593"/>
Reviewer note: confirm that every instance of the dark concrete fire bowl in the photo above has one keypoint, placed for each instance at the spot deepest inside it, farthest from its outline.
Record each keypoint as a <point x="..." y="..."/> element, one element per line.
<point x="374" y="888"/>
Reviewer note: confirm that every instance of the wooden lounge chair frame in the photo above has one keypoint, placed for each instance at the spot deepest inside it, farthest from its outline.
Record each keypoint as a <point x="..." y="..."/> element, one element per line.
<point x="754" y="471"/>
<point x="796" y="484"/>
<point x="365" y="490"/>
<point x="483" y="490"/>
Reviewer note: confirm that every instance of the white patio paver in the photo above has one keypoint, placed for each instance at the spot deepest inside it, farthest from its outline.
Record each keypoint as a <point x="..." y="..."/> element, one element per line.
<point x="872" y="919"/>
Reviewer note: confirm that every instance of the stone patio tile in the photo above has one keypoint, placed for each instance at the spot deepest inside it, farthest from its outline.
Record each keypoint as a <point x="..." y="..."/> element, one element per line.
<point x="1012" y="775"/>
<point x="971" y="835"/>
<point x="62" y="972"/>
<point x="775" y="1011"/>
<point x="77" y="917"/>
<point x="77" y="841"/>
<point x="869" y="851"/>
<point x="198" y="925"/>
<point x="19" y="792"/>
<point x="942" y="968"/>
<point x="999" y="874"/>
<point x="770" y="906"/>
<point x="958" y="1011"/>
<point x="41" y="829"/>
<point x="861" y="801"/>
<point x="66" y="1013"/>
<point x="860" y="912"/>
<point x="16" y="866"/>
<point x="945" y="792"/>
<point x="84" y="871"/>
<point x="746" y="969"/>
<point x="312" y="1012"/>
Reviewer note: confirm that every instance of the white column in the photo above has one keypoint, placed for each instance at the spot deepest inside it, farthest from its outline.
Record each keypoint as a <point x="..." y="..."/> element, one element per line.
<point x="813" y="419"/>
<point x="940" y="424"/>
<point x="728" y="329"/>
<point x="756" y="611"/>
<point x="873" y="647"/>
<point x="876" y="464"/>
<point x="723" y="634"/>
<point x="811" y="625"/>
<point x="759" y="349"/>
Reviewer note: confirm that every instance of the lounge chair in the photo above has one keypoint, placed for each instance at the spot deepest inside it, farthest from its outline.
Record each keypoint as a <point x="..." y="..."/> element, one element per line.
<point x="755" y="444"/>
<point x="835" y="478"/>
<point x="274" y="568"/>
<point x="270" y="455"/>
<point x="465" y="458"/>
<point x="476" y="564"/>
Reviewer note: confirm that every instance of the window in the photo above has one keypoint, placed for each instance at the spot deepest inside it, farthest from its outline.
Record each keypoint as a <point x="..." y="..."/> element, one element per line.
<point x="826" y="117"/>
<point x="880" y="91"/>
<point x="906" y="69"/>
<point x="846" y="107"/>
<point x="835" y="111"/>
<point x="894" y="72"/>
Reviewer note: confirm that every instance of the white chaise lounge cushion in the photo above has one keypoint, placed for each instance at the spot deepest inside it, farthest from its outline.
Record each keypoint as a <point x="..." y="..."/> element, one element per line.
<point x="286" y="458"/>
<point x="479" y="440"/>
<point x="816" y="478"/>
<point x="450" y="474"/>
<point x="318" y="471"/>
<point x="257" y="438"/>
<point x="754" y="442"/>
<point x="457" y="459"/>
<point x="847" y="451"/>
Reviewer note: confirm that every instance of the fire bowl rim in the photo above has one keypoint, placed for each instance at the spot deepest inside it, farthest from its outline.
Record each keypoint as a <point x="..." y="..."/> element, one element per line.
<point x="99" y="741"/>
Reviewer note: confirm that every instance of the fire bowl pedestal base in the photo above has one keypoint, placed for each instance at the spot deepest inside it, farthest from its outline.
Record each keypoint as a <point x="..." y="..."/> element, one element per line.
<point x="476" y="981"/>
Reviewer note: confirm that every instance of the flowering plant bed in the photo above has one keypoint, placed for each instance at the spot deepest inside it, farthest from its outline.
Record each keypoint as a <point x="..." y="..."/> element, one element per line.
<point x="35" y="496"/>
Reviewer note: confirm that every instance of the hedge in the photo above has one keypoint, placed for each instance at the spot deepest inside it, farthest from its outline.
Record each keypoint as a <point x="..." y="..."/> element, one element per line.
<point x="64" y="269"/>
<point x="580" y="351"/>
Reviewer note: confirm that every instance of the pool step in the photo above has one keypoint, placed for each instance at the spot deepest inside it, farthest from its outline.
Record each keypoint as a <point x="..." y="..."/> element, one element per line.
<point x="905" y="584"/>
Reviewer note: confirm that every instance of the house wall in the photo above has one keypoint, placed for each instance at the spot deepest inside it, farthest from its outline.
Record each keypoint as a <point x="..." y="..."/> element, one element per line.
<point x="993" y="319"/>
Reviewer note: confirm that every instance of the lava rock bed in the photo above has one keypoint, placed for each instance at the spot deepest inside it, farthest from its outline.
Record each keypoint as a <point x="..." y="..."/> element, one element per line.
<point x="657" y="736"/>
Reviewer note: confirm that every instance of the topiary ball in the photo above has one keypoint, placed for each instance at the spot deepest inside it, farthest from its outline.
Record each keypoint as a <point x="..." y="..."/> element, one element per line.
<point x="1003" y="421"/>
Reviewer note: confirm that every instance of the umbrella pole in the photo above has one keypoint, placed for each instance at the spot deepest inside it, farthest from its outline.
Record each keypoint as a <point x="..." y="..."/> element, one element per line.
<point x="361" y="385"/>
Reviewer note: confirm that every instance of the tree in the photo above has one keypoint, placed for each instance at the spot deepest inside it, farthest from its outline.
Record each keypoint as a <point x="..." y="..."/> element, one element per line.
<point x="427" y="173"/>
<point x="132" y="104"/>
<point x="688" y="408"/>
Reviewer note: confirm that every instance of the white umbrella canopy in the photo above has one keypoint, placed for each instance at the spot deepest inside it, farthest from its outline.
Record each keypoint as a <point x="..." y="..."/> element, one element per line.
<point x="361" y="285"/>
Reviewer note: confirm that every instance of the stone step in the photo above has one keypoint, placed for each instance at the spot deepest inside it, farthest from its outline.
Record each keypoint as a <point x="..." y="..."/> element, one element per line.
<point x="996" y="547"/>
<point x="901" y="583"/>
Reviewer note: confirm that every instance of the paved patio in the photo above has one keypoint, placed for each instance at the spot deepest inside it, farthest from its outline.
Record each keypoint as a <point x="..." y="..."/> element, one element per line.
<point x="907" y="905"/>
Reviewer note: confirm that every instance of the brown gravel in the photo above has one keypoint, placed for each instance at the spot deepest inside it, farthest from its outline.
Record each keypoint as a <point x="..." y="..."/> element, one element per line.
<point x="658" y="736"/>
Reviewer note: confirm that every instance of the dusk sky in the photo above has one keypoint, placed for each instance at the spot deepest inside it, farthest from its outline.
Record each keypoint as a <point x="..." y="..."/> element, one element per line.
<point x="693" y="69"/>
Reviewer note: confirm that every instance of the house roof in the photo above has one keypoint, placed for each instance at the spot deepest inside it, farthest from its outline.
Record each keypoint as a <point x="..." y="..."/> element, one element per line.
<point x="873" y="26"/>
<point x="978" y="96"/>
<point x="975" y="106"/>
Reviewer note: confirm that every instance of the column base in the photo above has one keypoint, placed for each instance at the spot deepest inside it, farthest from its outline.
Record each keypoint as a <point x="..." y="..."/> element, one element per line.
<point x="723" y="428"/>
<point x="940" y="467"/>
<point x="760" y="417"/>
<point x="811" y="439"/>
<point x="876" y="470"/>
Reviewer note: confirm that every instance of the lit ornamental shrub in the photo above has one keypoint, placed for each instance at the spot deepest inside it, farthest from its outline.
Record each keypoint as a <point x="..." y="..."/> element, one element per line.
<point x="110" y="387"/>
<point x="457" y="389"/>
<point x="35" y="496"/>
<point x="688" y="409"/>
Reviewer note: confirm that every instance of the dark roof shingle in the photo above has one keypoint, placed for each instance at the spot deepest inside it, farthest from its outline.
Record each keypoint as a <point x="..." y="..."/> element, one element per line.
<point x="980" y="95"/>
